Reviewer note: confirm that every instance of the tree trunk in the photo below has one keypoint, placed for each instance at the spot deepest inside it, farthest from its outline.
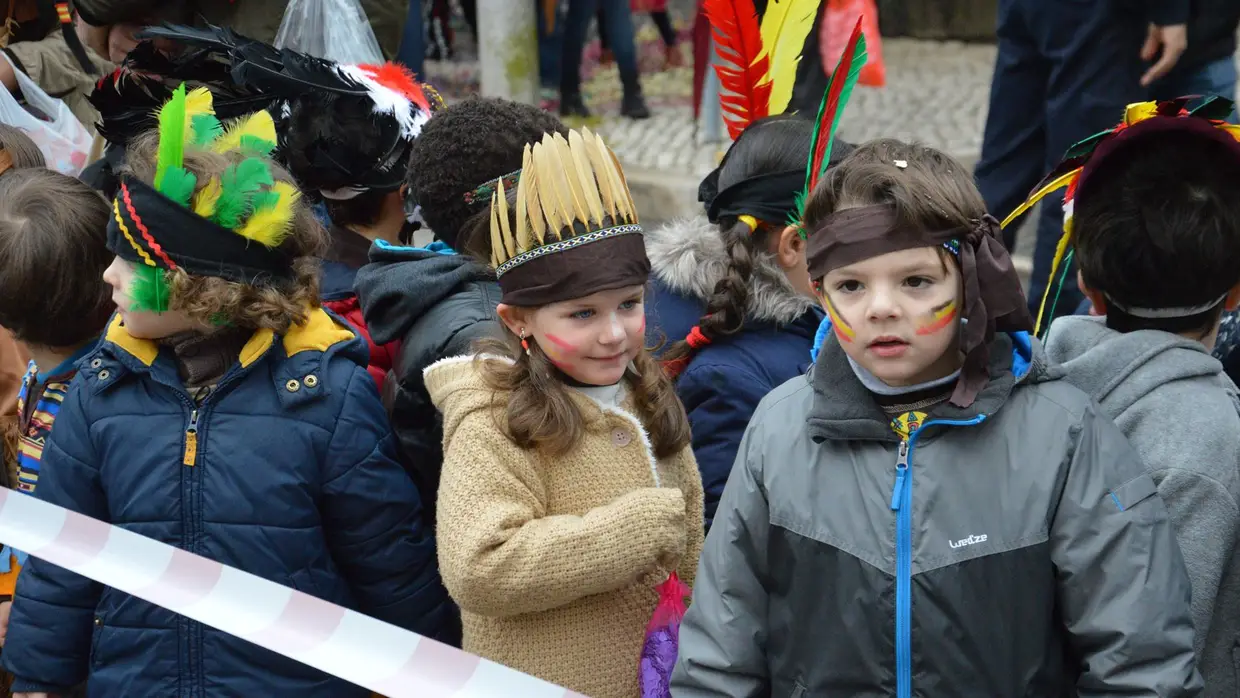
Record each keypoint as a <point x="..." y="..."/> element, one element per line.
<point x="964" y="20"/>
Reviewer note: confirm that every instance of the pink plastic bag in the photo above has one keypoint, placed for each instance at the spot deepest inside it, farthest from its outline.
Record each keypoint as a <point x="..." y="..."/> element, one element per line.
<point x="839" y="18"/>
<point x="663" y="639"/>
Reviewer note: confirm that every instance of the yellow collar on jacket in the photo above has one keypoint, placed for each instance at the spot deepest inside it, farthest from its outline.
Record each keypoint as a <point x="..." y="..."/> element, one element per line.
<point x="319" y="332"/>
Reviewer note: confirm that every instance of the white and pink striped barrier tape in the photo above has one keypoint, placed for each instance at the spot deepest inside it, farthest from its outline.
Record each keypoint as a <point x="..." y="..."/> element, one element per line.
<point x="354" y="647"/>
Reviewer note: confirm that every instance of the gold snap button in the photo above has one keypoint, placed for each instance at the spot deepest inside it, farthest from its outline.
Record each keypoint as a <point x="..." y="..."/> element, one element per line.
<point x="105" y="374"/>
<point x="293" y="385"/>
<point x="96" y="363"/>
<point x="311" y="380"/>
<point x="98" y="621"/>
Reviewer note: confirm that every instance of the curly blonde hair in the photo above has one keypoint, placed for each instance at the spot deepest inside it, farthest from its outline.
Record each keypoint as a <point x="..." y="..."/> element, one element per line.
<point x="215" y="301"/>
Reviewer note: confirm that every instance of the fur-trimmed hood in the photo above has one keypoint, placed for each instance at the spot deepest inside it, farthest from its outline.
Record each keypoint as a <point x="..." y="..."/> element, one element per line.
<point x="689" y="257"/>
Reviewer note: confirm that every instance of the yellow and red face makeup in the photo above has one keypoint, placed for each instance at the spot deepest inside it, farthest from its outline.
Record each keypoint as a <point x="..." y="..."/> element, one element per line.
<point x="938" y="318"/>
<point x="842" y="329"/>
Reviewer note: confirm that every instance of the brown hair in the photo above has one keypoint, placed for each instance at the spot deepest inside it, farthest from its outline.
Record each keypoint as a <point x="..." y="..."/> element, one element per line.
<point x="217" y="301"/>
<point x="20" y="148"/>
<point x="540" y="412"/>
<point x="53" y="240"/>
<point x="929" y="189"/>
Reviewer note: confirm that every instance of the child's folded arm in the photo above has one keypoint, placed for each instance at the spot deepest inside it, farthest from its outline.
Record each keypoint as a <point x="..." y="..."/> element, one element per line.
<point x="502" y="555"/>
<point x="723" y="637"/>
<point x="1124" y="592"/>
<point x="373" y="518"/>
<point x="49" y="637"/>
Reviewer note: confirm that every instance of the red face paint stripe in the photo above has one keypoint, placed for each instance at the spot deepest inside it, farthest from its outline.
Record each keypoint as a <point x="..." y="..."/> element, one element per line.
<point x="566" y="346"/>
<point x="943" y="318"/>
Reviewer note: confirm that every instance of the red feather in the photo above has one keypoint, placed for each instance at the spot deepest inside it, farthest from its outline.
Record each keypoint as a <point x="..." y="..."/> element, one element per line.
<point x="842" y="80"/>
<point x="399" y="79"/>
<point x="746" y="88"/>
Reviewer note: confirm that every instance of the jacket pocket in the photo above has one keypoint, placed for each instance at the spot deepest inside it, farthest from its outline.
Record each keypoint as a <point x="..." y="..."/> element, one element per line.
<point x="95" y="637"/>
<point x="1136" y="491"/>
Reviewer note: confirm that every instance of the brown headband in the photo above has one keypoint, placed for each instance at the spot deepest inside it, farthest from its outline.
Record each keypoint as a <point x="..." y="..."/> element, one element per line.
<point x="993" y="299"/>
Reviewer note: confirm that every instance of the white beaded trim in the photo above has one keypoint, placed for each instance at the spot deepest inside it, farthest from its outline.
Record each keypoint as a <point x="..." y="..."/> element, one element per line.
<point x="563" y="245"/>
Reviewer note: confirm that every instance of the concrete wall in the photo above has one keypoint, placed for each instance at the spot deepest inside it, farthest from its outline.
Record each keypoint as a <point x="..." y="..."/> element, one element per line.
<point x="965" y="20"/>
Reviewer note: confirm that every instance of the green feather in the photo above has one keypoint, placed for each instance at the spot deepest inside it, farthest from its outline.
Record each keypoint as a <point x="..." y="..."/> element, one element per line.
<point x="179" y="185"/>
<point x="171" y="152"/>
<point x="149" y="290"/>
<point x="239" y="184"/>
<point x="254" y="144"/>
<point x="834" y="99"/>
<point x="206" y="128"/>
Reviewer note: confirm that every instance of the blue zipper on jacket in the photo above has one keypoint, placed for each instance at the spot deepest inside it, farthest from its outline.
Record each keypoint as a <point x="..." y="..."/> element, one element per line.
<point x="902" y="504"/>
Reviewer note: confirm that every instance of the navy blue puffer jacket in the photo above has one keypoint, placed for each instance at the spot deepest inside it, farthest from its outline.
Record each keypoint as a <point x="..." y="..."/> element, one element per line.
<point x="293" y="479"/>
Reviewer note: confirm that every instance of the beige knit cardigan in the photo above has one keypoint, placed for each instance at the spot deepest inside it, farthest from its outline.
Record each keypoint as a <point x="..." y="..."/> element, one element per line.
<point x="553" y="560"/>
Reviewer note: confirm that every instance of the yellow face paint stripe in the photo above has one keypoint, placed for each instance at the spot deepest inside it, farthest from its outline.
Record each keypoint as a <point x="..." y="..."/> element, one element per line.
<point x="939" y="319"/>
<point x="116" y="212"/>
<point x="842" y="329"/>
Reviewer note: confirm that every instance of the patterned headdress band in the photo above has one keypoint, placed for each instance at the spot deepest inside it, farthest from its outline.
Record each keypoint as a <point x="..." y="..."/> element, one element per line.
<point x="483" y="192"/>
<point x="573" y="231"/>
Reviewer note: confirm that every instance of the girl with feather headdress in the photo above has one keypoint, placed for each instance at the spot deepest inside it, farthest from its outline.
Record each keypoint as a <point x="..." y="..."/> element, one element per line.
<point x="569" y="493"/>
<point x="927" y="511"/>
<point x="227" y="414"/>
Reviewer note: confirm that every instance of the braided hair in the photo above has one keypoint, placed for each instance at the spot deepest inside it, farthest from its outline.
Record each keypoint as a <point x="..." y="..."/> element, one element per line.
<point x="771" y="145"/>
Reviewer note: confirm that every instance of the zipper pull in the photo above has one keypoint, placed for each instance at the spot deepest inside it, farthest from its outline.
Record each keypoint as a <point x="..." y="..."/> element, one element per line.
<point x="897" y="492"/>
<point x="191" y="440"/>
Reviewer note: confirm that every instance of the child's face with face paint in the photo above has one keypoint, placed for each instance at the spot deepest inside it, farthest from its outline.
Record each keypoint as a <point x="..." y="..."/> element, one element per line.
<point x="897" y="314"/>
<point x="591" y="339"/>
<point x="142" y="324"/>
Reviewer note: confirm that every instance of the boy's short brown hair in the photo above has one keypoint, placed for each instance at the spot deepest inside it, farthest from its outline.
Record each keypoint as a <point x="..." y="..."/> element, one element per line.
<point x="53" y="251"/>
<point x="21" y="149"/>
<point x="217" y="301"/>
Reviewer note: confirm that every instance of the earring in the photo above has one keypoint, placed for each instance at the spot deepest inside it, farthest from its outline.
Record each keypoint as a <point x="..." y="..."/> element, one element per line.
<point x="525" y="343"/>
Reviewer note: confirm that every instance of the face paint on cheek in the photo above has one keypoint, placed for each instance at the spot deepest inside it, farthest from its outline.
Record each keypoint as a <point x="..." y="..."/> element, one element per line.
<point x="938" y="318"/>
<point x="559" y="351"/>
<point x="842" y="329"/>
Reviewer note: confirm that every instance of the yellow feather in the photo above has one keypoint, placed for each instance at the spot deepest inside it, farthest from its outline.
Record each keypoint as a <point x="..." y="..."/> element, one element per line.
<point x="1056" y="184"/>
<point x="568" y="166"/>
<point x="598" y="161"/>
<point x="628" y="211"/>
<point x="270" y="225"/>
<point x="529" y="184"/>
<point x="550" y="195"/>
<point x="258" y="125"/>
<point x="207" y="197"/>
<point x="499" y="254"/>
<point x="523" y="223"/>
<point x="785" y="25"/>
<point x="505" y="225"/>
<point x="585" y="175"/>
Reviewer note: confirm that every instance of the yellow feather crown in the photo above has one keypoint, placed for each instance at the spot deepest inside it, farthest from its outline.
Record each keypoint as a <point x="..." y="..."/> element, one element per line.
<point x="569" y="188"/>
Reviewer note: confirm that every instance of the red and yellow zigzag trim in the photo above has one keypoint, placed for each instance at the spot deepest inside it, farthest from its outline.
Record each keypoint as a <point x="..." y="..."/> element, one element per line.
<point x="62" y="12"/>
<point x="120" y="222"/>
<point x="146" y="234"/>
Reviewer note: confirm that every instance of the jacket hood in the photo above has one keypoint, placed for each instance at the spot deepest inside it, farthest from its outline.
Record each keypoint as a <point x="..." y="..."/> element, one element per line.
<point x="401" y="284"/>
<point x="689" y="257"/>
<point x="1116" y="368"/>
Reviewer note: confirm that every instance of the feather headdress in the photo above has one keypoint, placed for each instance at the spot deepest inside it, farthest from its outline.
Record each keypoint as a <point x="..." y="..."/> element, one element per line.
<point x="759" y="62"/>
<point x="1081" y="157"/>
<point x="839" y="90"/>
<point x="571" y="227"/>
<point x="230" y="226"/>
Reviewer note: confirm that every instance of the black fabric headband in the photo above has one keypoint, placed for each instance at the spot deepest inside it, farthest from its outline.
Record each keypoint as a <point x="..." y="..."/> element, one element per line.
<point x="769" y="197"/>
<point x="149" y="228"/>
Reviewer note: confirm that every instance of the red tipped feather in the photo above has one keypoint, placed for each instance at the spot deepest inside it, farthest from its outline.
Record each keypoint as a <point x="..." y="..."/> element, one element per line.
<point x="746" y="93"/>
<point x="843" y="79"/>
<point x="399" y="79"/>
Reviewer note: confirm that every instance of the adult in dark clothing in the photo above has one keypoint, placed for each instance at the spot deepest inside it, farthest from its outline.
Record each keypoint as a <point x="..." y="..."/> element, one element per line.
<point x="1065" y="70"/>
<point x="433" y="300"/>
<point x="1208" y="66"/>
<point x="620" y="38"/>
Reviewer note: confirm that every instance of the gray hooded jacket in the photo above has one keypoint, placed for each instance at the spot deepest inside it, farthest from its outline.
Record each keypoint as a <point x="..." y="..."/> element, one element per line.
<point x="1181" y="413"/>
<point x="1015" y="548"/>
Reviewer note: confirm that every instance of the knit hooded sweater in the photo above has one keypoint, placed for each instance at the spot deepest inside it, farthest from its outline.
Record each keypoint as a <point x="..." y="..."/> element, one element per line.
<point x="552" y="560"/>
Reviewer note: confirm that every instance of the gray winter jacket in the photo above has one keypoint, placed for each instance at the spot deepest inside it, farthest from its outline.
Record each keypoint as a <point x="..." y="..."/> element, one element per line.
<point x="1015" y="548"/>
<point x="1180" y="411"/>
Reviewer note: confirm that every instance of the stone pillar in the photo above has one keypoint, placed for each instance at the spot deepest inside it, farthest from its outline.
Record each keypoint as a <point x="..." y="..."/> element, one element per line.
<point x="508" y="49"/>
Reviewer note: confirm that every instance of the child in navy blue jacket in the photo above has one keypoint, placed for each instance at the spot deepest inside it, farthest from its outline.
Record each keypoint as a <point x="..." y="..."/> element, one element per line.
<point x="224" y="413"/>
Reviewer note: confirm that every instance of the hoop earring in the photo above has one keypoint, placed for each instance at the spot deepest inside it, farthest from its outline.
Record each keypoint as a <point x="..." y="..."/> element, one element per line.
<point x="525" y="343"/>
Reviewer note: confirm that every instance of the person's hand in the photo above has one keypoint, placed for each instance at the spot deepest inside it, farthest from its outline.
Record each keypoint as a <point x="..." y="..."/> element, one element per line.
<point x="5" y="608"/>
<point x="1166" y="44"/>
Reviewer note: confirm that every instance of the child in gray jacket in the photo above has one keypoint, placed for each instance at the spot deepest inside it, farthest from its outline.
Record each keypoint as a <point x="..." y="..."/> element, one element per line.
<point x="1156" y="231"/>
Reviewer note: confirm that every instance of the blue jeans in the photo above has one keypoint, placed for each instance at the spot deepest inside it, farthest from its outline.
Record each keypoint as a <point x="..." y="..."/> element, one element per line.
<point x="620" y="38"/>
<point x="1065" y="70"/>
<point x="1216" y="78"/>
<point x="413" y="42"/>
